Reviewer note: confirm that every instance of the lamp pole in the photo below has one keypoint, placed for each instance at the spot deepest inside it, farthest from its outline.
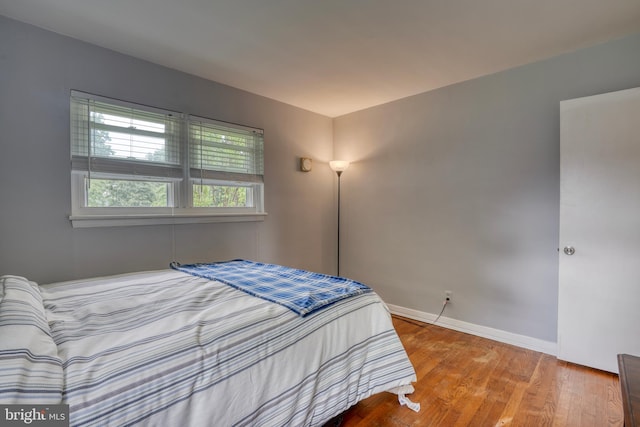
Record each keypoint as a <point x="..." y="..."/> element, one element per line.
<point x="339" y="175"/>
<point x="339" y="166"/>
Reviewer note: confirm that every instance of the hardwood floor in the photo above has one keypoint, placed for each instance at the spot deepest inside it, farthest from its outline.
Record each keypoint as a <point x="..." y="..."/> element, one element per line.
<point x="464" y="380"/>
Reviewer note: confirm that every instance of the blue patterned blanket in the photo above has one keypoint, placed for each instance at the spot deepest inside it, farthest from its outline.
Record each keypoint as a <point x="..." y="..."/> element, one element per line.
<point x="301" y="291"/>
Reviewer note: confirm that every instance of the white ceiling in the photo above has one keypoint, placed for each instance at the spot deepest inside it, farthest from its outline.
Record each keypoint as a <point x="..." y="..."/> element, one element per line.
<point x="335" y="56"/>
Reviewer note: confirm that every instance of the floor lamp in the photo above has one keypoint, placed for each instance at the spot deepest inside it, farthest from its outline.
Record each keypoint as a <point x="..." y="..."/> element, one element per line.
<point x="338" y="167"/>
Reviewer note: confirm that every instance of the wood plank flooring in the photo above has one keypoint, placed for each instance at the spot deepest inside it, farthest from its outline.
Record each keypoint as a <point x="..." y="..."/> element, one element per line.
<point x="464" y="380"/>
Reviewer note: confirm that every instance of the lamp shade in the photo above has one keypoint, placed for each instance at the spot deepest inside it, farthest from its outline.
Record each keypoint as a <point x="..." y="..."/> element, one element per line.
<point x="339" y="165"/>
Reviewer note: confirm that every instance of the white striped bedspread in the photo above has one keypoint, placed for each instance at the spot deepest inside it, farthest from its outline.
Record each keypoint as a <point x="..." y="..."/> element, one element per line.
<point x="169" y="349"/>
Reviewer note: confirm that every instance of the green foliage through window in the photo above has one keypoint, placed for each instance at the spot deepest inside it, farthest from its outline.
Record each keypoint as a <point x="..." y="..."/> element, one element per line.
<point x="215" y="196"/>
<point x="107" y="193"/>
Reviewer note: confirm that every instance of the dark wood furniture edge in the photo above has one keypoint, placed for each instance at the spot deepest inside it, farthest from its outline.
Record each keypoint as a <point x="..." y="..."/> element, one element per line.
<point x="626" y="392"/>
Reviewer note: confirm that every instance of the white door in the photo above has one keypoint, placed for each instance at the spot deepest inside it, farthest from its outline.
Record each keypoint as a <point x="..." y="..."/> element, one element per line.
<point x="599" y="283"/>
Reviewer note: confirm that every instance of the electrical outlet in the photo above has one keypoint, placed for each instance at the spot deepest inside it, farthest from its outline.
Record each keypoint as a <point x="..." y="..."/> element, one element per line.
<point x="448" y="296"/>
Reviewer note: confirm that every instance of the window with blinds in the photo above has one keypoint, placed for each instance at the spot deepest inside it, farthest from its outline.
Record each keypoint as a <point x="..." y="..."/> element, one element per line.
<point x="132" y="159"/>
<point x="226" y="164"/>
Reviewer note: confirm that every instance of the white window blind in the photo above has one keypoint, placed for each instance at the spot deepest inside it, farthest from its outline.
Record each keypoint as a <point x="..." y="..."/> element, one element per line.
<point x="218" y="151"/>
<point x="113" y="137"/>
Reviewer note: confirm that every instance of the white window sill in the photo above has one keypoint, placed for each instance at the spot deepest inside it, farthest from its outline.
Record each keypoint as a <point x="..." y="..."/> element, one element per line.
<point x="90" y="221"/>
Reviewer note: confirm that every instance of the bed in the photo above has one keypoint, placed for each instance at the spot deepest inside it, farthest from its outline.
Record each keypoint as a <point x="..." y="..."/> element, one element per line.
<point x="172" y="348"/>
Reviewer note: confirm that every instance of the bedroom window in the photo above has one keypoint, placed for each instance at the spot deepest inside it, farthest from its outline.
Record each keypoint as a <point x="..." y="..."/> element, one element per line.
<point x="226" y="165"/>
<point x="136" y="165"/>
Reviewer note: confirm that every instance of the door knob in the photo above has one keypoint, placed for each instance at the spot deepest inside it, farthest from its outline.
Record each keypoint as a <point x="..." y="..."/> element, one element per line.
<point x="569" y="250"/>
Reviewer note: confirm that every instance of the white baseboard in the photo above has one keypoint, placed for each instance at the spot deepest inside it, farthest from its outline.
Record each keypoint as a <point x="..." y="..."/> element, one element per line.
<point x="524" y="341"/>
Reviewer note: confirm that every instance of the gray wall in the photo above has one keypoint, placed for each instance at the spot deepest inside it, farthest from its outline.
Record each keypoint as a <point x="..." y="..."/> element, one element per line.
<point x="458" y="189"/>
<point x="37" y="71"/>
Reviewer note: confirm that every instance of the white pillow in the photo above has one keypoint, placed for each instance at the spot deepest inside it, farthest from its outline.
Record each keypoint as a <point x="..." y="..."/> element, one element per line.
<point x="30" y="369"/>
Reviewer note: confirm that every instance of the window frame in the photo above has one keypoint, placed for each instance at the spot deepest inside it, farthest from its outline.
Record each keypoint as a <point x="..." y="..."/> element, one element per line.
<point x="177" y="175"/>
